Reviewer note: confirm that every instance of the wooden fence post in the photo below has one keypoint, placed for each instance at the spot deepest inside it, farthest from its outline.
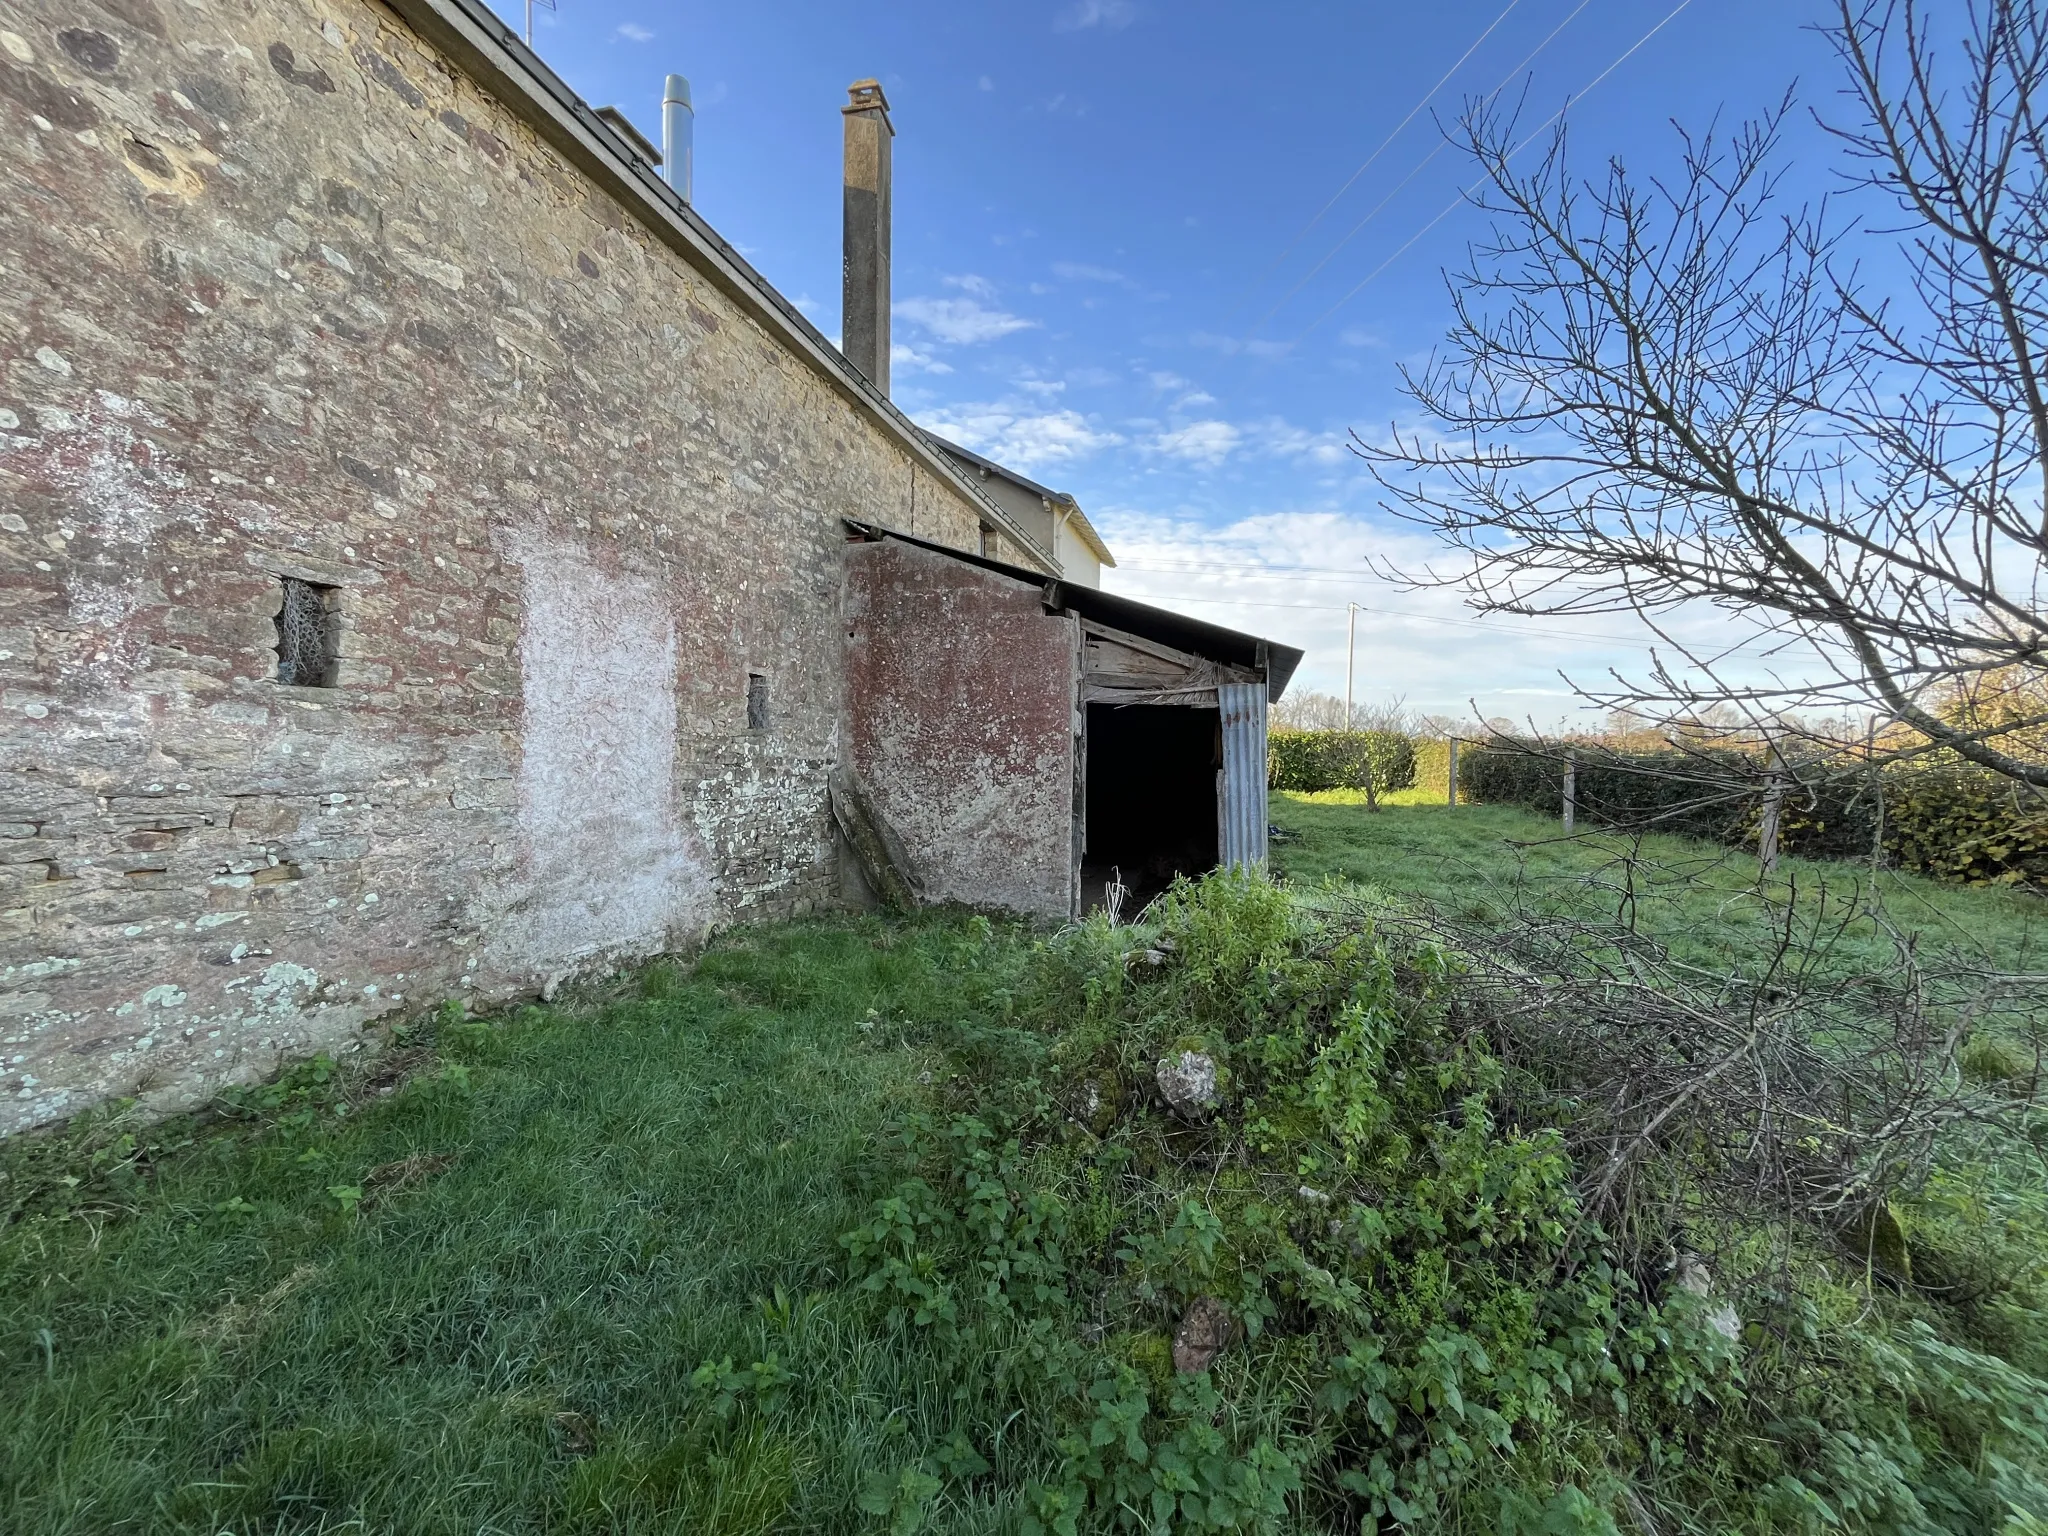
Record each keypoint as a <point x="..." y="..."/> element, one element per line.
<point x="1452" y="797"/>
<point x="1571" y="789"/>
<point x="1774" y="809"/>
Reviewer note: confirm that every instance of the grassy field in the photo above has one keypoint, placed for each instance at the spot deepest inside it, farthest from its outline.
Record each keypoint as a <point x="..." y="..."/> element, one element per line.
<point x="514" y="1277"/>
<point x="1703" y="900"/>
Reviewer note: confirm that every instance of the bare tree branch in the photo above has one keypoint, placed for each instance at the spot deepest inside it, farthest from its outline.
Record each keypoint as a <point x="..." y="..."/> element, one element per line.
<point x="1663" y="395"/>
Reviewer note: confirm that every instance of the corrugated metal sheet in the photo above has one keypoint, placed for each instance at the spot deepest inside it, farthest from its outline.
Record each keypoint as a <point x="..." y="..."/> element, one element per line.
<point x="1241" y="797"/>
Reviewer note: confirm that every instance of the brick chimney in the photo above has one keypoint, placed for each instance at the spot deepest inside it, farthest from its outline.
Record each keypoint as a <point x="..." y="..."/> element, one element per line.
<point x="864" y="316"/>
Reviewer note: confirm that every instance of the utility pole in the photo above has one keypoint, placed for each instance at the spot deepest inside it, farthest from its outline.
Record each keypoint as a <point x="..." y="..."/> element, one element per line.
<point x="1350" y="659"/>
<point x="530" y="4"/>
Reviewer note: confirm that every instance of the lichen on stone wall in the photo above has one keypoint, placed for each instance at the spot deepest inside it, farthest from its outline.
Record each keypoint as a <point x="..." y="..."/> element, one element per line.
<point x="307" y="303"/>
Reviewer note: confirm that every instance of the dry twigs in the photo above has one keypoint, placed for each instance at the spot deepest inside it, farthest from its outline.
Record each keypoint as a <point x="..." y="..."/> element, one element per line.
<point x="1812" y="1087"/>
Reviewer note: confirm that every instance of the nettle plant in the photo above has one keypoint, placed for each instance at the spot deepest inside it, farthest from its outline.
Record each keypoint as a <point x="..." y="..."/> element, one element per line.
<point x="1416" y="1322"/>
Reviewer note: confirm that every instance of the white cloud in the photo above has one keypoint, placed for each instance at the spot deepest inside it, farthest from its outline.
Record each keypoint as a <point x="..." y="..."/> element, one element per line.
<point x="985" y="83"/>
<point x="1082" y="272"/>
<point x="1289" y="575"/>
<point x="1204" y="443"/>
<point x="1230" y="346"/>
<point x="1019" y="435"/>
<point x="1110" y="14"/>
<point x="1276" y="436"/>
<point x="634" y="33"/>
<point x="1359" y="336"/>
<point x="970" y="282"/>
<point x="961" y="322"/>
<point x="908" y="360"/>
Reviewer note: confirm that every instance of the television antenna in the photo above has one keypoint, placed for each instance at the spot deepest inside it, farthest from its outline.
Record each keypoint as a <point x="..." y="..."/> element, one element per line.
<point x="530" y="4"/>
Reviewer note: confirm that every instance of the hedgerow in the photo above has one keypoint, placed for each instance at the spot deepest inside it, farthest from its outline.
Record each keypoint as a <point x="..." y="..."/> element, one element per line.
<point x="1311" y="761"/>
<point x="1933" y="816"/>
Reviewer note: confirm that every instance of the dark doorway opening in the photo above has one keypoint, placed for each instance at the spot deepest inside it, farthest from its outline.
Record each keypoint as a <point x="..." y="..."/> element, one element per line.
<point x="1151" y="798"/>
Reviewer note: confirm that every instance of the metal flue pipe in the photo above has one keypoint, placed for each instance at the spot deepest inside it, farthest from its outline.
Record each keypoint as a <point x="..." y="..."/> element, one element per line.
<point x="678" y="130"/>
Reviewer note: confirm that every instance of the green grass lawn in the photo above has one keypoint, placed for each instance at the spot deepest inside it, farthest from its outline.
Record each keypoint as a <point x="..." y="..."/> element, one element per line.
<point x="520" y="1289"/>
<point x="501" y="1335"/>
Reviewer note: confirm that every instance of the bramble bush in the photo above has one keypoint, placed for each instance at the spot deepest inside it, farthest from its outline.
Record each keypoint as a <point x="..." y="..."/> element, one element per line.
<point x="1427" y="1331"/>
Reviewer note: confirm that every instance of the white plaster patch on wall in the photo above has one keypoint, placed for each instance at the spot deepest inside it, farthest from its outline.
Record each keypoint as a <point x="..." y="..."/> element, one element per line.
<point x="129" y="492"/>
<point x="609" y="866"/>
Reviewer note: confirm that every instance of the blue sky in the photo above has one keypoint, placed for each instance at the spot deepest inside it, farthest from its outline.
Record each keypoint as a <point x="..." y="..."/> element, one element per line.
<point x="1109" y="266"/>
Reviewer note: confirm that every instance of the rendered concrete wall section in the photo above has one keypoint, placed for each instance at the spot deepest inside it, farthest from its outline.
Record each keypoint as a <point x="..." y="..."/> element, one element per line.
<point x="284" y="295"/>
<point x="960" y="698"/>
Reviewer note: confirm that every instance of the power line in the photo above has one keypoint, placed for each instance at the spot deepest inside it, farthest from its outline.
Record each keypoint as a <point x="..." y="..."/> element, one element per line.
<point x="1467" y="192"/>
<point x="1330" y="254"/>
<point x="1493" y="628"/>
<point x="1350" y="180"/>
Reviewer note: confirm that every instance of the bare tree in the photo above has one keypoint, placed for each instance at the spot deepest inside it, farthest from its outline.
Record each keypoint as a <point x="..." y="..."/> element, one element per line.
<point x="1307" y="710"/>
<point x="1664" y="395"/>
<point x="1303" y="709"/>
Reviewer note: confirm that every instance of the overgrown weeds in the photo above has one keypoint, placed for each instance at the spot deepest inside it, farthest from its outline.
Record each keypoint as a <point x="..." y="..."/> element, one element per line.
<point x="823" y="1233"/>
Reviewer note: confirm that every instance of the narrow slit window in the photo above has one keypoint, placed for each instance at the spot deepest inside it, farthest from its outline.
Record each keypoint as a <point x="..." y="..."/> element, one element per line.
<point x="308" y="654"/>
<point x="757" y="702"/>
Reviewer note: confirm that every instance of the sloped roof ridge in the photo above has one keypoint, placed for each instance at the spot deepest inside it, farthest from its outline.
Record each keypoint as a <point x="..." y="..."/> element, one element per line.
<point x="1079" y="519"/>
<point x="491" y="54"/>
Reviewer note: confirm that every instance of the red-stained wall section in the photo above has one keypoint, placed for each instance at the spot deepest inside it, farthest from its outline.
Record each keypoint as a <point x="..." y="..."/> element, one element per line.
<point x="960" y="711"/>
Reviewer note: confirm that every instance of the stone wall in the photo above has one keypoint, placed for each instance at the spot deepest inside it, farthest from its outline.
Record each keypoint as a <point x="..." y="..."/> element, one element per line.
<point x="287" y="297"/>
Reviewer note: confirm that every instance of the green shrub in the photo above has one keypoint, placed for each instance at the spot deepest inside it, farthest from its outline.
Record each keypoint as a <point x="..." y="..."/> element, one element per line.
<point x="1947" y="820"/>
<point x="1310" y="761"/>
<point x="1426" y="1328"/>
<point x="1432" y="765"/>
<point x="1966" y="824"/>
<point x="1425" y="1331"/>
<point x="1692" y="795"/>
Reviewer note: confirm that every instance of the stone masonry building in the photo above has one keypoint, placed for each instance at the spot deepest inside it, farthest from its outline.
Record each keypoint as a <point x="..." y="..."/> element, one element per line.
<point x="423" y="541"/>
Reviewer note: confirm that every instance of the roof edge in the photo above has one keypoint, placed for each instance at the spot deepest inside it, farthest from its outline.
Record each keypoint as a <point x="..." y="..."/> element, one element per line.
<point x="479" y="43"/>
<point x="1128" y="612"/>
<point x="1079" y="519"/>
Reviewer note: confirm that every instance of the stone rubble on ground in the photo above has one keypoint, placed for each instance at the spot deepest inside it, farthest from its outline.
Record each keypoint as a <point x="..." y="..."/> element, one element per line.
<point x="1694" y="1277"/>
<point x="1205" y="1331"/>
<point x="1188" y="1084"/>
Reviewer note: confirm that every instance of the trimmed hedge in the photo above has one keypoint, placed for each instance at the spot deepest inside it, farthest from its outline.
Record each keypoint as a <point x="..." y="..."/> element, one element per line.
<point x="1314" y="760"/>
<point x="1951" y="821"/>
<point x="1961" y="823"/>
<point x="1706" y="796"/>
<point x="1433" y="764"/>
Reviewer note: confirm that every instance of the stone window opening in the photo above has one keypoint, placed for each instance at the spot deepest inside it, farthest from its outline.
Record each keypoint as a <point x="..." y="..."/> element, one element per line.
<point x="308" y="634"/>
<point x="757" y="702"/>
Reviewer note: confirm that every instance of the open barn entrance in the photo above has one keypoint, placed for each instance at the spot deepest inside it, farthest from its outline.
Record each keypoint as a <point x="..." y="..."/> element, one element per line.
<point x="1151" y="798"/>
